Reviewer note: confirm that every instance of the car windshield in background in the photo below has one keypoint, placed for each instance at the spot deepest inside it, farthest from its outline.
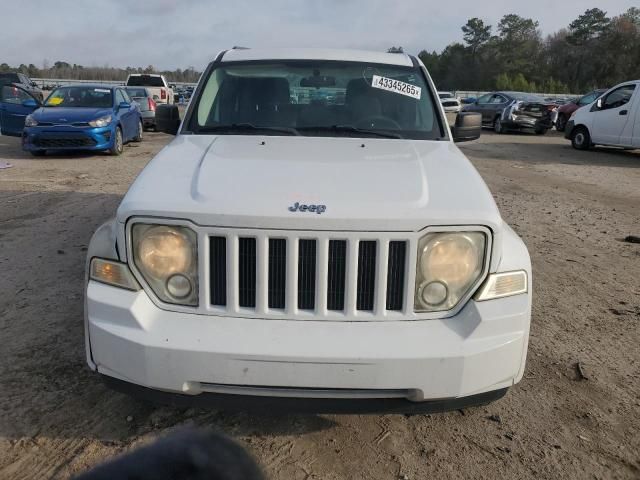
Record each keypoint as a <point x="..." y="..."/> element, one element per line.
<point x="144" y="81"/>
<point x="317" y="98"/>
<point x="88" y="97"/>
<point x="136" y="92"/>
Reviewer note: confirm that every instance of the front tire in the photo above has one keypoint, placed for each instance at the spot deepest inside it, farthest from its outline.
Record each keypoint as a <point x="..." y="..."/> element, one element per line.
<point x="38" y="153"/>
<point x="540" y="131"/>
<point x="580" y="138"/>
<point x="118" y="143"/>
<point x="561" y="123"/>
<point x="498" y="127"/>
<point x="138" y="137"/>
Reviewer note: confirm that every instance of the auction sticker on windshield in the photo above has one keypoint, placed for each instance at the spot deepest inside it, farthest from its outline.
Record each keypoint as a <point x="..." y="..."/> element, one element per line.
<point x="396" y="86"/>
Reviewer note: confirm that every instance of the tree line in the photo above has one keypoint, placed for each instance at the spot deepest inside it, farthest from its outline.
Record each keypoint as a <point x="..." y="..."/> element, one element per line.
<point x="69" y="71"/>
<point x="593" y="51"/>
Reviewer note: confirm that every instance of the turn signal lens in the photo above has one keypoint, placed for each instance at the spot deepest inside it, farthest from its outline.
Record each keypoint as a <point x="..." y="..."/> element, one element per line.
<point x="505" y="284"/>
<point x="113" y="273"/>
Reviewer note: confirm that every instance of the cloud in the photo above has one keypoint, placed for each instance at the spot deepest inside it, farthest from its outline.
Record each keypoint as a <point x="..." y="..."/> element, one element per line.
<point x="170" y="34"/>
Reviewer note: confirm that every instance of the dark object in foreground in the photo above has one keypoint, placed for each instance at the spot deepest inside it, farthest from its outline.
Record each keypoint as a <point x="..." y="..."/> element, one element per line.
<point x="632" y="239"/>
<point x="288" y="405"/>
<point x="187" y="454"/>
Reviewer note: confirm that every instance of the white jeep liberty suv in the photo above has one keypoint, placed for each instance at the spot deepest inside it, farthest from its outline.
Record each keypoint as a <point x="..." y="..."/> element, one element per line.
<point x="311" y="239"/>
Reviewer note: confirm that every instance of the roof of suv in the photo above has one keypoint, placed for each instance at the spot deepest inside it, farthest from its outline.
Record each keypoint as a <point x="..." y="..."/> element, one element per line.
<point x="248" y="54"/>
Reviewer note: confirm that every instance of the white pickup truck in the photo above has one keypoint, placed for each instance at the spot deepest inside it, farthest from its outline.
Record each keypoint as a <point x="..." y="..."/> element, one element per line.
<point x="311" y="239"/>
<point x="156" y="84"/>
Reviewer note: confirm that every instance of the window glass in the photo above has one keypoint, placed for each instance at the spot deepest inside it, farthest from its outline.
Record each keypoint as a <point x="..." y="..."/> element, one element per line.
<point x="497" y="99"/>
<point x="145" y="81"/>
<point x="619" y="97"/>
<point x="314" y="97"/>
<point x="485" y="98"/>
<point x="587" y="99"/>
<point x="9" y="78"/>
<point x="119" y="97"/>
<point x="91" y="97"/>
<point x="14" y="95"/>
<point x="126" y="96"/>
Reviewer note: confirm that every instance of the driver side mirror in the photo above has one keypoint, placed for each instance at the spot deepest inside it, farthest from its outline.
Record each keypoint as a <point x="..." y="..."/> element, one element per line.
<point x="167" y="119"/>
<point x="124" y="105"/>
<point x="599" y="103"/>
<point x="468" y="127"/>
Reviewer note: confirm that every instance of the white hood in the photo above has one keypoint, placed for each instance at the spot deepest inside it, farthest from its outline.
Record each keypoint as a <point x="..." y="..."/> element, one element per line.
<point x="366" y="184"/>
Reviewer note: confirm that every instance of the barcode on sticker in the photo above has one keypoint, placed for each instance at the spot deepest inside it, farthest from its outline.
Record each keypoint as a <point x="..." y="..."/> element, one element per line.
<point x="396" y="86"/>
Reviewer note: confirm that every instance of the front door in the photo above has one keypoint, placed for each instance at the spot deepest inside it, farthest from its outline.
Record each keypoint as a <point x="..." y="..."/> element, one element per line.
<point x="15" y="105"/>
<point x="611" y="115"/>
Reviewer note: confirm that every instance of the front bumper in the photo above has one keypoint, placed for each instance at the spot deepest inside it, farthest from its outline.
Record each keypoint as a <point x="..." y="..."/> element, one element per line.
<point x="67" y="138"/>
<point x="481" y="349"/>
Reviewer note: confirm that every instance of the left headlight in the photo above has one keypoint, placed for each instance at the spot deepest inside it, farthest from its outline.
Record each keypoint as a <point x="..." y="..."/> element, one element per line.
<point x="167" y="257"/>
<point x="101" y="122"/>
<point x="449" y="265"/>
<point x="30" y="121"/>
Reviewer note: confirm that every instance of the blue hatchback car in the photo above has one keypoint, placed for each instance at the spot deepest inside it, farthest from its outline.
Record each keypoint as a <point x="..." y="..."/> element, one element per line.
<point x="83" y="117"/>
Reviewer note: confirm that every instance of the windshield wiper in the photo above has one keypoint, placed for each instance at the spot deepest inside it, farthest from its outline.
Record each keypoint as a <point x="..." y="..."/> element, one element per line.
<point x="243" y="127"/>
<point x="351" y="129"/>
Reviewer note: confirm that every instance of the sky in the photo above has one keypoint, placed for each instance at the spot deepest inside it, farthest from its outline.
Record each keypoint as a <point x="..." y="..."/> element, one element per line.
<point x="171" y="34"/>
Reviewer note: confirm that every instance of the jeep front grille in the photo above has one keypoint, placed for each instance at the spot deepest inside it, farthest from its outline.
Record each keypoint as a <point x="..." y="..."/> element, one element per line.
<point x="298" y="274"/>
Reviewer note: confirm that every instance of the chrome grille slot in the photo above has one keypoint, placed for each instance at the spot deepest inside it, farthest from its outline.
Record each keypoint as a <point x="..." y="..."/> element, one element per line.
<point x="247" y="272"/>
<point x="396" y="275"/>
<point x="277" y="272"/>
<point x="306" y="274"/>
<point x="366" y="275"/>
<point x="336" y="274"/>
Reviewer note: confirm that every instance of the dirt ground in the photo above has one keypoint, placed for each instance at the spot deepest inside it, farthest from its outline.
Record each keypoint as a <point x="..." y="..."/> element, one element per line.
<point x="573" y="209"/>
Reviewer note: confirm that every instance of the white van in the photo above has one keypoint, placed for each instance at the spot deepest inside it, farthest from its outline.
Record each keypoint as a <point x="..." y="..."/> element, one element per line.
<point x="613" y="119"/>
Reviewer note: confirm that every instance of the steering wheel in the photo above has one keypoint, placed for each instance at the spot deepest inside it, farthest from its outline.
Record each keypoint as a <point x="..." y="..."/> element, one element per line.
<point x="378" y="122"/>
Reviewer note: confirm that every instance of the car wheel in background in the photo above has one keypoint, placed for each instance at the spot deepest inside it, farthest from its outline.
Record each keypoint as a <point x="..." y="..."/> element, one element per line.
<point x="580" y="138"/>
<point x="561" y="123"/>
<point x="118" y="143"/>
<point x="498" y="127"/>
<point x="138" y="137"/>
<point x="38" y="153"/>
<point x="540" y="131"/>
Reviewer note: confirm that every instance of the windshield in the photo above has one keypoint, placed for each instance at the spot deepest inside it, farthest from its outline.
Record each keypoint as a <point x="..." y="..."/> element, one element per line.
<point x="144" y="81"/>
<point x="317" y="98"/>
<point x="89" y="97"/>
<point x="136" y="92"/>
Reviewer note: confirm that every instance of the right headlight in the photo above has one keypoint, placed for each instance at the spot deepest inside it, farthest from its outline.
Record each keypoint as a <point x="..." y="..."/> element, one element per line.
<point x="167" y="257"/>
<point x="449" y="265"/>
<point x="30" y="121"/>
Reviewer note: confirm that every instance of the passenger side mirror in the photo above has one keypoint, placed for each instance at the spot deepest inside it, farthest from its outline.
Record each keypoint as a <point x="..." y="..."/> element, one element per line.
<point x="30" y="102"/>
<point x="468" y="127"/>
<point x="599" y="103"/>
<point x="167" y="119"/>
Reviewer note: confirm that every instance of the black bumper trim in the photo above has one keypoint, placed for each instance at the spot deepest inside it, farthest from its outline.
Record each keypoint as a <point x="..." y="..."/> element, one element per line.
<point x="230" y="402"/>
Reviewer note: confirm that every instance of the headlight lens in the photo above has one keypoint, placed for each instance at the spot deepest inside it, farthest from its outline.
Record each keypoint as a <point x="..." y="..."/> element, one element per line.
<point x="449" y="264"/>
<point x="167" y="258"/>
<point x="101" y="122"/>
<point x="30" y="121"/>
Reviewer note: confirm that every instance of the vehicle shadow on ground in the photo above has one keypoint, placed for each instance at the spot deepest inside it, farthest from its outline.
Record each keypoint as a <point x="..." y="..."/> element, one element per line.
<point x="47" y="388"/>
<point x="550" y="152"/>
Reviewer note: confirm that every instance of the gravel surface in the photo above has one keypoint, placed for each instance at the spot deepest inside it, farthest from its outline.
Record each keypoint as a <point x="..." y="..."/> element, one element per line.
<point x="575" y="414"/>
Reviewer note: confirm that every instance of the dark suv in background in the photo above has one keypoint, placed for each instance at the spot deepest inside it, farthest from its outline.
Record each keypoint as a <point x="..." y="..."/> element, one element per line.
<point x="23" y="82"/>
